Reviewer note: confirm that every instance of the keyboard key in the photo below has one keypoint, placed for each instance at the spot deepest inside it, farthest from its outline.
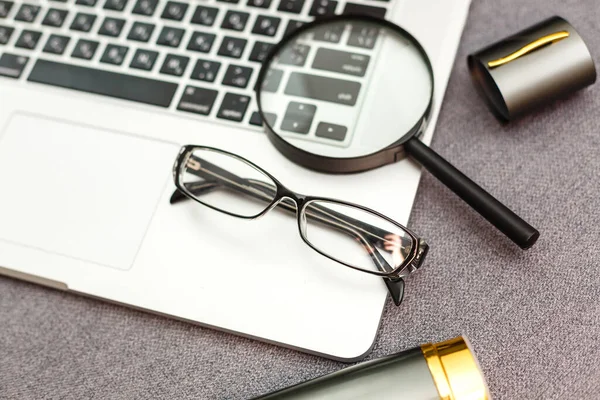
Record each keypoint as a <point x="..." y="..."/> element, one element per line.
<point x="331" y="131"/>
<point x="140" y="32"/>
<point x="114" y="54"/>
<point x="232" y="47"/>
<point x="235" y="20"/>
<point x="145" y="7"/>
<point x="170" y="37"/>
<point x="12" y="65"/>
<point x="144" y="59"/>
<point x="55" y="17"/>
<point x="28" y="39"/>
<point x="56" y="44"/>
<point x="233" y="107"/>
<point x="85" y="49"/>
<point x="87" y="3"/>
<point x="353" y="8"/>
<point x="229" y="1"/>
<point x="201" y="41"/>
<point x="5" y="7"/>
<point x="83" y="22"/>
<point x="294" y="54"/>
<point x="143" y="90"/>
<point x="111" y="27"/>
<point x="260" y="51"/>
<point x="323" y="8"/>
<point x="174" y="65"/>
<point x="292" y="26"/>
<point x="255" y="118"/>
<point x="197" y="100"/>
<point x="326" y="89"/>
<point x="341" y="61"/>
<point x="272" y="80"/>
<point x="363" y="36"/>
<point x="205" y="15"/>
<point x="5" y="34"/>
<point x="259" y="3"/>
<point x="206" y="70"/>
<point x="174" y="11"/>
<point x="266" y="25"/>
<point x="329" y="33"/>
<point x="116" y="5"/>
<point x="27" y="13"/>
<point x="293" y="6"/>
<point x="237" y="76"/>
<point x="298" y="117"/>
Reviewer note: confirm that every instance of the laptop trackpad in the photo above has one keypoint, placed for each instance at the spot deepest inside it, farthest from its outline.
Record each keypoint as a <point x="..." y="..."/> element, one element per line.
<point x="79" y="191"/>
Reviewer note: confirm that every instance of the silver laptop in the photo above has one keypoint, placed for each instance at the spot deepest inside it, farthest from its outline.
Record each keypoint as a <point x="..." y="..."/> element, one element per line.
<point x="96" y="98"/>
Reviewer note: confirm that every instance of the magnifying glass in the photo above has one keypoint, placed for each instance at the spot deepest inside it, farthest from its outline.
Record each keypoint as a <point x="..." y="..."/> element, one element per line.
<point x="350" y="93"/>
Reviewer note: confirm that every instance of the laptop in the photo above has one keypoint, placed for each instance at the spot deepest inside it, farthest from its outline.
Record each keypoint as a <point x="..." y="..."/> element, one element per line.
<point x="96" y="98"/>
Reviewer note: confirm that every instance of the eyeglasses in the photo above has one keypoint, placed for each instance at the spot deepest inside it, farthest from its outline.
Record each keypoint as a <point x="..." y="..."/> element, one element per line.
<point x="350" y="234"/>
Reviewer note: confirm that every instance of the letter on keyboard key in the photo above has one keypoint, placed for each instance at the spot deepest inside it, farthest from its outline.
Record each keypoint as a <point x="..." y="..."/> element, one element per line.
<point x="298" y="117"/>
<point x="134" y="88"/>
<point x="12" y="65"/>
<point x="174" y="11"/>
<point x="205" y="15"/>
<point x="197" y="100"/>
<point x="170" y="37"/>
<point x="28" y="40"/>
<point x="83" y="22"/>
<point x="111" y="27"/>
<point x="143" y="59"/>
<point x="56" y="44"/>
<point x="321" y="88"/>
<point x="145" y="7"/>
<point x="174" y="65"/>
<point x="55" y="17"/>
<point x="232" y="47"/>
<point x="206" y="70"/>
<point x="331" y="131"/>
<point x="114" y="54"/>
<point x="201" y="41"/>
<point x="237" y="76"/>
<point x="233" y="107"/>
<point x="341" y="61"/>
<point x="85" y="49"/>
<point x="140" y="32"/>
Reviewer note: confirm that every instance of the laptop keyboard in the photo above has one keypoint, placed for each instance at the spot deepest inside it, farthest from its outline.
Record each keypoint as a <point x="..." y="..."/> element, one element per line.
<point x="195" y="57"/>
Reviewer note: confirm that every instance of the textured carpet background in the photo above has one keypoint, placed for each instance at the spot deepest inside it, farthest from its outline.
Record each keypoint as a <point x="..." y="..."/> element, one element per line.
<point x="533" y="317"/>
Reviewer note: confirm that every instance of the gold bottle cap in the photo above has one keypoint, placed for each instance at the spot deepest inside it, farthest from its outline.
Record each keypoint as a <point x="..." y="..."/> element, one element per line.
<point x="455" y="370"/>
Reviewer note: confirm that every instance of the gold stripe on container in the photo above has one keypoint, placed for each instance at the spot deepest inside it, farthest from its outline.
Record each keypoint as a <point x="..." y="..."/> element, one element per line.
<point x="536" y="44"/>
<point x="455" y="371"/>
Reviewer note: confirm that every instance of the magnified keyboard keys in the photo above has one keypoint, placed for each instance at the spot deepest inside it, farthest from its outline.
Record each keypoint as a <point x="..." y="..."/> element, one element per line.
<point x="272" y="80"/>
<point x="341" y="61"/>
<point x="12" y="65"/>
<point x="5" y="7"/>
<point x="143" y="90"/>
<point x="294" y="55"/>
<point x="145" y="7"/>
<point x="233" y="107"/>
<point x="353" y="8"/>
<point x="329" y="33"/>
<point x="331" y="131"/>
<point x="298" y="117"/>
<point x="321" y="88"/>
<point x="363" y="36"/>
<point x="5" y="34"/>
<point x="197" y="100"/>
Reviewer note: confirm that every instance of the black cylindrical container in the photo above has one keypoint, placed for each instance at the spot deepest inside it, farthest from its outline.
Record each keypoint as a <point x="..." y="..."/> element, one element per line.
<point x="446" y="370"/>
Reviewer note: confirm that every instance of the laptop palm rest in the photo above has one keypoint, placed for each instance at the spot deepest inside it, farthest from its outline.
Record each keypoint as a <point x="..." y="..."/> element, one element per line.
<point x="79" y="191"/>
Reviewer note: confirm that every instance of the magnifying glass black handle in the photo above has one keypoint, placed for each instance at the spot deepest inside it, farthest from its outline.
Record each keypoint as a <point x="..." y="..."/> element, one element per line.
<point x="509" y="223"/>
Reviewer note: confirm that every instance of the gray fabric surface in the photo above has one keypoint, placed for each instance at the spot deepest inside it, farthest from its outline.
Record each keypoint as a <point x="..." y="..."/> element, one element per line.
<point x="533" y="317"/>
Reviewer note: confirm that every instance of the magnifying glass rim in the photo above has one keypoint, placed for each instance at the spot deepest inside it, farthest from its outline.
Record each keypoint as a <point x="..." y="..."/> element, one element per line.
<point x="390" y="154"/>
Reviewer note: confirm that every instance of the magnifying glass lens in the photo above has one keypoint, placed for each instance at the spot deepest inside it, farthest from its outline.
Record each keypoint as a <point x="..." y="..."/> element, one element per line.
<point x="346" y="88"/>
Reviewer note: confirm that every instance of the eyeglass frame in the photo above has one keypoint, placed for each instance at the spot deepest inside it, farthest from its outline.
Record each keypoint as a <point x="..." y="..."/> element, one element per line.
<point x="393" y="279"/>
